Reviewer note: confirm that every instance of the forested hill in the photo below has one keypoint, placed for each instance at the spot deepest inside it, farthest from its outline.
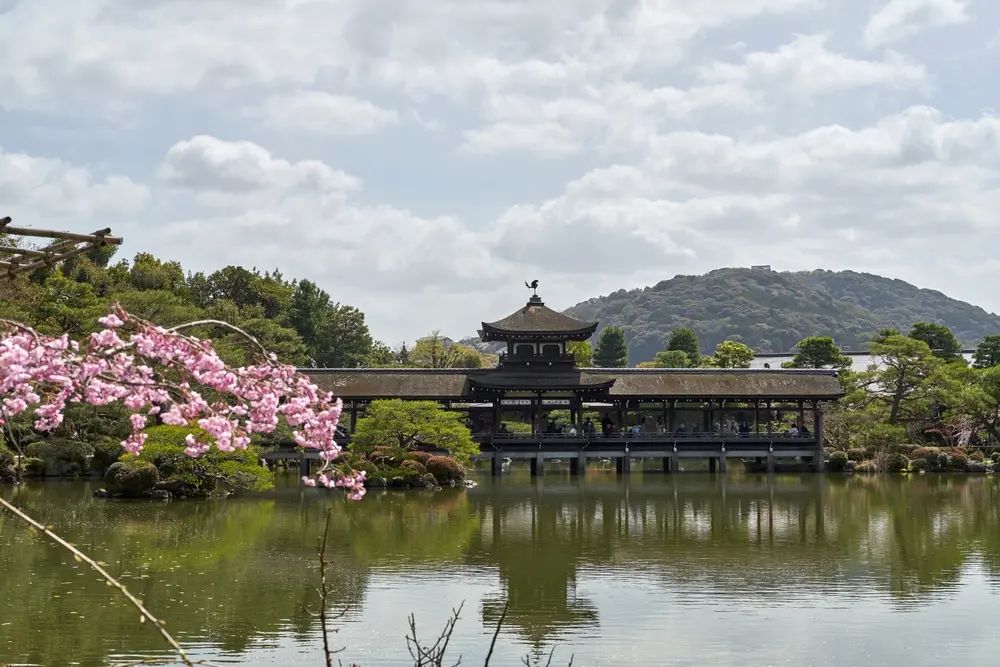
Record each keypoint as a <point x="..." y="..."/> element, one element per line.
<point x="771" y="311"/>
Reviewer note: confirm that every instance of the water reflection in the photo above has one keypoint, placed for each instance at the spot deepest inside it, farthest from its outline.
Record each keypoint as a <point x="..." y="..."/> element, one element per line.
<point x="586" y="564"/>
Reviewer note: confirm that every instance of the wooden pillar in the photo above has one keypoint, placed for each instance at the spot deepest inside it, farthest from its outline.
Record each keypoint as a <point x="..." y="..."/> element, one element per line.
<point x="496" y="463"/>
<point x="354" y="416"/>
<point x="622" y="415"/>
<point x="756" y="417"/>
<point x="770" y="460"/>
<point x="711" y="465"/>
<point x="496" y="415"/>
<point x="666" y="465"/>
<point x="706" y="418"/>
<point x="623" y="464"/>
<point x="539" y="464"/>
<point x="722" y="462"/>
<point x="675" y="461"/>
<point x="770" y="414"/>
<point x="304" y="465"/>
<point x="578" y="465"/>
<point x="818" y="434"/>
<point x="535" y="404"/>
<point x="802" y="414"/>
<point x="672" y="417"/>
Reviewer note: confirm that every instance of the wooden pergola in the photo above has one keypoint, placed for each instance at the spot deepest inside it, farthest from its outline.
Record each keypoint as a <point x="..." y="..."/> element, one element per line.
<point x="67" y="244"/>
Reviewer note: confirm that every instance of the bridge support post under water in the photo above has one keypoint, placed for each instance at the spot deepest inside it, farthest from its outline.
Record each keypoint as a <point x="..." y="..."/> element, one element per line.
<point x="770" y="463"/>
<point x="537" y="465"/>
<point x="711" y="465"/>
<point x="496" y="464"/>
<point x="304" y="466"/>
<point x="666" y="465"/>
<point x="722" y="464"/>
<point x="623" y="465"/>
<point x="578" y="465"/>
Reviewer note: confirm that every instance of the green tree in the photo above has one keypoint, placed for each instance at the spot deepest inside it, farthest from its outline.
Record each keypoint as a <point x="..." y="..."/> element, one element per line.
<point x="897" y="379"/>
<point x="671" y="359"/>
<point x="731" y="354"/>
<point x="412" y="424"/>
<point x="885" y="334"/>
<point x="972" y="392"/>
<point x="685" y="340"/>
<point x="987" y="352"/>
<point x="582" y="351"/>
<point x="381" y="356"/>
<point x="818" y="352"/>
<point x="611" y="350"/>
<point x="307" y="309"/>
<point x="939" y="338"/>
<point x="342" y="338"/>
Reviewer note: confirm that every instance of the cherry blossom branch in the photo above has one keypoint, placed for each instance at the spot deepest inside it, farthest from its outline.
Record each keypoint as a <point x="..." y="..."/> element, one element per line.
<point x="119" y="364"/>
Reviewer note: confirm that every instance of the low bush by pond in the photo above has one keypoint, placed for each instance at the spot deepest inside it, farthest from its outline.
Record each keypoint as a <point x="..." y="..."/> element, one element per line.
<point x="913" y="459"/>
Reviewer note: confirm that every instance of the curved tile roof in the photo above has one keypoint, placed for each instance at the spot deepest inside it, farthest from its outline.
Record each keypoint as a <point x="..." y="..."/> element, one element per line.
<point x="537" y="318"/>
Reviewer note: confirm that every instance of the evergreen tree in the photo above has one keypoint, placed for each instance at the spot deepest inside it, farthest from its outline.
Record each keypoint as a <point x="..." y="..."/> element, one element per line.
<point x="685" y="340"/>
<point x="611" y="350"/>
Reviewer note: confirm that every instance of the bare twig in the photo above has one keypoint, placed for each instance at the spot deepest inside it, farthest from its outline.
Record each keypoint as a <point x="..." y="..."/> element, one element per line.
<point x="224" y="325"/>
<point x="145" y="614"/>
<point x="496" y="633"/>
<point x="324" y="593"/>
<point x="433" y="655"/>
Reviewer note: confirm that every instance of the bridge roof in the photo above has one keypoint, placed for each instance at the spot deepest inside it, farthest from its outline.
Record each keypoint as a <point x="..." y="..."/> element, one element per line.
<point x="536" y="320"/>
<point x="652" y="384"/>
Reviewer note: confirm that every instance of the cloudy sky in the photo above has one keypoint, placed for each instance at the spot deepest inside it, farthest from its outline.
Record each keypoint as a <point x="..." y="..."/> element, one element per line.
<point x="420" y="160"/>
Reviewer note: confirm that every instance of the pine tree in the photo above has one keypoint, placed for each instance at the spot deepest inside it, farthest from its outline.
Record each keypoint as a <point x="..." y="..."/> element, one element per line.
<point x="611" y="350"/>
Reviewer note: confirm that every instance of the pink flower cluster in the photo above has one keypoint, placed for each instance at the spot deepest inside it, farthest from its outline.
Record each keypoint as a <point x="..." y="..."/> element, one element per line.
<point x="161" y="372"/>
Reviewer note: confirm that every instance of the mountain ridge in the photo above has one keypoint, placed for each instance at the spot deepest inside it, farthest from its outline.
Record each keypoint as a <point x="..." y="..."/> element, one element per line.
<point x="772" y="310"/>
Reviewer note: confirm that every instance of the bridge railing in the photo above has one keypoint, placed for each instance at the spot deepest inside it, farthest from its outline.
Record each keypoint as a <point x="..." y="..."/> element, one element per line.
<point x="641" y="437"/>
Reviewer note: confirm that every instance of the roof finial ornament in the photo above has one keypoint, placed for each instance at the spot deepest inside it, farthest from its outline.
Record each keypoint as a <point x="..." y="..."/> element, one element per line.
<point x="533" y="285"/>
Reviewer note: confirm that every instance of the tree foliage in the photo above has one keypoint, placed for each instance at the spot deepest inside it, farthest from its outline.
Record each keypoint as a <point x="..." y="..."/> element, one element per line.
<point x="987" y="353"/>
<point x="412" y="424"/>
<point x="939" y="338"/>
<point x="818" y="352"/>
<point x="611" y="350"/>
<point x="731" y="354"/>
<point x="685" y="340"/>
<point x="582" y="351"/>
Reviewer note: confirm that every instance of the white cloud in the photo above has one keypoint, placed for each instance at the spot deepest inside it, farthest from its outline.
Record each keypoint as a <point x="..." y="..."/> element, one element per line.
<point x="317" y="112"/>
<point x="898" y="19"/>
<point x="34" y="187"/>
<point x="807" y="67"/>
<point x="594" y="144"/>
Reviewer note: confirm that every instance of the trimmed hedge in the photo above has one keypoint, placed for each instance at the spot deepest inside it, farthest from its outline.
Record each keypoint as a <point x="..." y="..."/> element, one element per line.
<point x="131" y="479"/>
<point x="837" y="462"/>
<point x="445" y="470"/>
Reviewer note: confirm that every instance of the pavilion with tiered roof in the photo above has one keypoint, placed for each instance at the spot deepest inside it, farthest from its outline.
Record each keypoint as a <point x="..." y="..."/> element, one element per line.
<point x="681" y="413"/>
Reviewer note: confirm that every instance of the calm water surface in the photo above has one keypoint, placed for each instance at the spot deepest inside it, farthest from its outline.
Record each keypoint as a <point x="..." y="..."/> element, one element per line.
<point x="656" y="570"/>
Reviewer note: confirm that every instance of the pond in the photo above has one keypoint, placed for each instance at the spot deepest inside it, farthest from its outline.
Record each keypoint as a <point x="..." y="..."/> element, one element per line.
<point x="687" y="569"/>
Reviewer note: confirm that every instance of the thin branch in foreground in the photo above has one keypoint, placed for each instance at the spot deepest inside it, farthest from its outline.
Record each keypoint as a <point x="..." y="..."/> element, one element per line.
<point x="324" y="593"/>
<point x="433" y="655"/>
<point x="145" y="614"/>
<point x="496" y="633"/>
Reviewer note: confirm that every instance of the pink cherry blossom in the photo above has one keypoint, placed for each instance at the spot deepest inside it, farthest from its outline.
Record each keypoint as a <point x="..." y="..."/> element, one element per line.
<point x="165" y="374"/>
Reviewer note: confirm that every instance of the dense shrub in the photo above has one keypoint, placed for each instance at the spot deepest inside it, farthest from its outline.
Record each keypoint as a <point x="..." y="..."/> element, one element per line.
<point x="866" y="467"/>
<point x="239" y="469"/>
<point x="62" y="457"/>
<point x="896" y="463"/>
<point x="445" y="469"/>
<point x="856" y="454"/>
<point x="903" y="448"/>
<point x="927" y="453"/>
<point x="975" y="466"/>
<point x="959" y="461"/>
<point x="415" y="466"/>
<point x="918" y="465"/>
<point x="106" y="451"/>
<point x="6" y="458"/>
<point x="976" y="456"/>
<point x="420" y="457"/>
<point x="387" y="456"/>
<point x="131" y="479"/>
<point x="428" y="480"/>
<point x="837" y="461"/>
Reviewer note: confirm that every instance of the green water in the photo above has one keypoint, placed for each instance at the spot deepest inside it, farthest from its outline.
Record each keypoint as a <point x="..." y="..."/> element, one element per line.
<point x="655" y="570"/>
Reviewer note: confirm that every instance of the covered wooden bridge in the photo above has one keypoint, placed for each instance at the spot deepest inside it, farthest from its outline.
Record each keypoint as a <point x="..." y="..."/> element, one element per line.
<point x="613" y="413"/>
